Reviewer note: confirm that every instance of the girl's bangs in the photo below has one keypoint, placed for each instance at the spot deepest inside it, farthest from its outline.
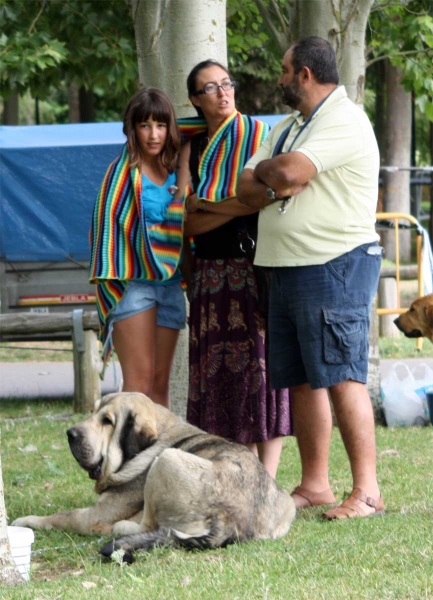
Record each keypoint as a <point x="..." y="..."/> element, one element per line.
<point x="154" y="109"/>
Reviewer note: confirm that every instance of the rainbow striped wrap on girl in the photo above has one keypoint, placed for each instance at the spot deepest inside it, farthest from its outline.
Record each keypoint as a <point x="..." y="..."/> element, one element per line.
<point x="223" y="159"/>
<point x="123" y="245"/>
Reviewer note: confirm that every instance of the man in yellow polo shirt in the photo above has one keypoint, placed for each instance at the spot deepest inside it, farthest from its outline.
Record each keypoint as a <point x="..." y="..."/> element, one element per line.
<point x="316" y="180"/>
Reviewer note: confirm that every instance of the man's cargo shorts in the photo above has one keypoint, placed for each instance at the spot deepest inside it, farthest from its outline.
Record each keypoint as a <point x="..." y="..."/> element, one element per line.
<point x="319" y="320"/>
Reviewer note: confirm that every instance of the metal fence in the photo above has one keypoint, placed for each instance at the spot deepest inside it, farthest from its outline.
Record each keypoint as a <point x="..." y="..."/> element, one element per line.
<point x="421" y="189"/>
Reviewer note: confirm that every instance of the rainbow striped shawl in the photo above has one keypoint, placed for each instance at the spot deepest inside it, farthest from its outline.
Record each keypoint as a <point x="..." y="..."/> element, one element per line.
<point x="232" y="145"/>
<point x="123" y="245"/>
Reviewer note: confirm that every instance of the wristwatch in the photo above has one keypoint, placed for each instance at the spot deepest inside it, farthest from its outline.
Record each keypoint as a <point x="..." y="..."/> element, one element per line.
<point x="270" y="193"/>
<point x="272" y="196"/>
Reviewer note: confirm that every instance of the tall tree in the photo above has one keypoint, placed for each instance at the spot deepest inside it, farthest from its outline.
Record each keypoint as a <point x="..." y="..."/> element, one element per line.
<point x="342" y="22"/>
<point x="401" y="36"/>
<point x="397" y="150"/>
<point x="172" y="37"/>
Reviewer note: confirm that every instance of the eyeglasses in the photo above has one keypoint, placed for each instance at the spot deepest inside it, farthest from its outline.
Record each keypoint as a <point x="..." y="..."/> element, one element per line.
<point x="212" y="88"/>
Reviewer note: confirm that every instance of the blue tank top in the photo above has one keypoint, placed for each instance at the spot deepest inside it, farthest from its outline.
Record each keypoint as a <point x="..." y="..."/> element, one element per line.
<point x="155" y="200"/>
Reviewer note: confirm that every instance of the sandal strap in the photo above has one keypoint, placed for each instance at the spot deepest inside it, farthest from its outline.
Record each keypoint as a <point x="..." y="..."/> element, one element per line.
<point x="362" y="497"/>
<point x="352" y="506"/>
<point x="315" y="498"/>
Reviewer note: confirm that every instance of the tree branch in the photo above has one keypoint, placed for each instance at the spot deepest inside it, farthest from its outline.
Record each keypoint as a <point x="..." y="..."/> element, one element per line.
<point x="392" y="3"/>
<point x="280" y="38"/>
<point x="385" y="5"/>
<point x="426" y="51"/>
<point x="282" y="19"/>
<point x="352" y="13"/>
<point x="77" y="12"/>
<point x="36" y="19"/>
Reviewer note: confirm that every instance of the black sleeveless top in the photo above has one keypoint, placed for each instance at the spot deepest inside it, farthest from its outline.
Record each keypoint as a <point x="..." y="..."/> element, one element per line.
<point x="224" y="241"/>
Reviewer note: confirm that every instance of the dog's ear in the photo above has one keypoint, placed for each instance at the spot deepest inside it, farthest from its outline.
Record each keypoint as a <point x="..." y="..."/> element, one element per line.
<point x="136" y="435"/>
<point x="428" y="310"/>
<point x="145" y="421"/>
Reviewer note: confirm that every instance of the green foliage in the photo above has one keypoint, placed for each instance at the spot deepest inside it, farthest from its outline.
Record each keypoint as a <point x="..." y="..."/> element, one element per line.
<point x="92" y="42"/>
<point x="100" y="35"/>
<point x="403" y="32"/>
<point x="254" y="58"/>
<point x="26" y="53"/>
<point x="245" y="31"/>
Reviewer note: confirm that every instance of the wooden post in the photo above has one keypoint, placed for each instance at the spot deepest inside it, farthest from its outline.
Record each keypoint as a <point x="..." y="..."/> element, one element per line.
<point x="388" y="298"/>
<point x="179" y="373"/>
<point x="87" y="386"/>
<point x="373" y="378"/>
<point x="87" y="364"/>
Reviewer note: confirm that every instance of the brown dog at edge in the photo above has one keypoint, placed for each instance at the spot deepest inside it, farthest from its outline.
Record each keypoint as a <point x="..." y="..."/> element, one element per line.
<point x="418" y="320"/>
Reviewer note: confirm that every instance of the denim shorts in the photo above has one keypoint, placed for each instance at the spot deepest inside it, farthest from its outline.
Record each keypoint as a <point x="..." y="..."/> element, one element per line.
<point x="139" y="297"/>
<point x="319" y="320"/>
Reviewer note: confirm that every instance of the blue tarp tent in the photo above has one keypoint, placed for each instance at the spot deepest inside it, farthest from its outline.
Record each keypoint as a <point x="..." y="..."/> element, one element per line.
<point x="50" y="175"/>
<point x="49" y="178"/>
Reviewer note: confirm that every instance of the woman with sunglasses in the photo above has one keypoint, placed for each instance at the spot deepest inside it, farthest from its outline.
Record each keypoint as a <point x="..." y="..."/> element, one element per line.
<point x="229" y="392"/>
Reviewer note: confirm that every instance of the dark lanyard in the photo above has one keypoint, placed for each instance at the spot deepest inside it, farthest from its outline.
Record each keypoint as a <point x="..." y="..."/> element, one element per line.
<point x="282" y="139"/>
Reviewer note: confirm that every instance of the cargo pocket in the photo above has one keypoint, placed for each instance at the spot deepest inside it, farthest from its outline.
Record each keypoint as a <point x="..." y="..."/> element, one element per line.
<point x="345" y="334"/>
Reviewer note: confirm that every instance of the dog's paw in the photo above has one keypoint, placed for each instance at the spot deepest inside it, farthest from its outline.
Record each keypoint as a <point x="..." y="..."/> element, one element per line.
<point x="31" y="521"/>
<point x="116" y="553"/>
<point x="125" y="528"/>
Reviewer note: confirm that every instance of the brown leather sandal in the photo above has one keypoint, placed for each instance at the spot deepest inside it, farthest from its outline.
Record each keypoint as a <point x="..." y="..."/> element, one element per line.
<point x="314" y="498"/>
<point x="352" y="507"/>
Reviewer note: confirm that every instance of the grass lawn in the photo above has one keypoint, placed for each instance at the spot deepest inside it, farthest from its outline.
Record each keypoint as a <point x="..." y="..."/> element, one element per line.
<point x="378" y="559"/>
<point x="400" y="347"/>
<point x="36" y="351"/>
<point x="403" y="347"/>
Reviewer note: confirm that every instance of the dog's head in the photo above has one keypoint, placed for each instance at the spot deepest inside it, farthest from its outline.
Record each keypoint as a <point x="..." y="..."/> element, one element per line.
<point x="122" y="425"/>
<point x="418" y="320"/>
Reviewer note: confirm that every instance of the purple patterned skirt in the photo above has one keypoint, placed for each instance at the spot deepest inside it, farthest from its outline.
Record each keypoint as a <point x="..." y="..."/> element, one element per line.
<point x="229" y="390"/>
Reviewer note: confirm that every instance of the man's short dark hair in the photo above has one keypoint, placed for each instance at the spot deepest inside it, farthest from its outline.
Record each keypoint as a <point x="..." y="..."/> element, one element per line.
<point x="319" y="56"/>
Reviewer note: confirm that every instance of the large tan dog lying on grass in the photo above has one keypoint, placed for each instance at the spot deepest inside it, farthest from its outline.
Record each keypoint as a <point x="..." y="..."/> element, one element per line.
<point x="418" y="320"/>
<point x="198" y="490"/>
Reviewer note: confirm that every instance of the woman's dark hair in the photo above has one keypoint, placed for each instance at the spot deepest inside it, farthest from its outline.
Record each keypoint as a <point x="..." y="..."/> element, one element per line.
<point x="146" y="103"/>
<point x="318" y="55"/>
<point x="191" y="81"/>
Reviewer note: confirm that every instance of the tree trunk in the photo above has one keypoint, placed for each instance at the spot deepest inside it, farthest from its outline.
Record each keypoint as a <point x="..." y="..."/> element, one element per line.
<point x="74" y="103"/>
<point x="343" y="24"/>
<point x="10" y="109"/>
<point x="396" y="186"/>
<point x="9" y="574"/>
<point x="380" y="106"/>
<point x="87" y="113"/>
<point x="172" y="37"/>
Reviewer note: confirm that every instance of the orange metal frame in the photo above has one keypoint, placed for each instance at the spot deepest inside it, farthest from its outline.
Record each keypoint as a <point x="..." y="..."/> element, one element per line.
<point x="396" y="217"/>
